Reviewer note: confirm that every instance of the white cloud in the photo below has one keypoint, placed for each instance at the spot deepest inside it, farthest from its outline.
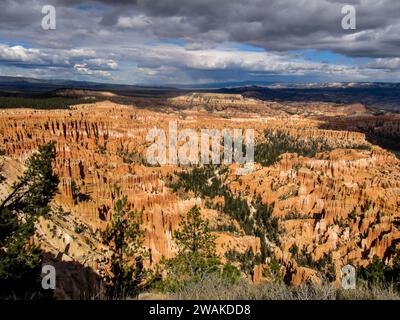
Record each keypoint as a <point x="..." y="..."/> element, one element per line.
<point x="229" y="59"/>
<point x="103" y="63"/>
<point x="136" y="22"/>
<point x="82" y="53"/>
<point x="84" y="70"/>
<point x="82" y="60"/>
<point x="386" y="63"/>
<point x="19" y="53"/>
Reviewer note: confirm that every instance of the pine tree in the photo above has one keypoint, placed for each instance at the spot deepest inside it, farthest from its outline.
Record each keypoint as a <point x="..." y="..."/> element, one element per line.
<point x="194" y="235"/>
<point x="20" y="259"/>
<point x="196" y="257"/>
<point x="124" y="235"/>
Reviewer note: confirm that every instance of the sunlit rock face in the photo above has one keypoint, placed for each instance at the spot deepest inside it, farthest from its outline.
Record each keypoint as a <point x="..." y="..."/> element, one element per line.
<point x="343" y="202"/>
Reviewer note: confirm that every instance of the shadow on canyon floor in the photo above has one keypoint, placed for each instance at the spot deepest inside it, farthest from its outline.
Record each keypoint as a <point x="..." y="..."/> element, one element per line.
<point x="373" y="127"/>
<point x="74" y="280"/>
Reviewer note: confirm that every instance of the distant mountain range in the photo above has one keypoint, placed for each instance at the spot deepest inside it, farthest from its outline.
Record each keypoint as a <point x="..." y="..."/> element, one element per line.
<point x="21" y="84"/>
<point x="374" y="95"/>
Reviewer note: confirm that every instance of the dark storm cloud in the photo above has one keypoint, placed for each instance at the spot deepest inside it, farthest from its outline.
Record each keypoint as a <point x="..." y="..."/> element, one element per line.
<point x="134" y="31"/>
<point x="290" y="25"/>
<point x="271" y="24"/>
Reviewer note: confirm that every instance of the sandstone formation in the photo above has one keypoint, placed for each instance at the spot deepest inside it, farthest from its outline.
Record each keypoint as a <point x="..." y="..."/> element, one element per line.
<point x="344" y="202"/>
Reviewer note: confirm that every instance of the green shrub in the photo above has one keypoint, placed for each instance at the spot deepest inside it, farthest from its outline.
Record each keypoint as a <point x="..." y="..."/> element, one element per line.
<point x="279" y="142"/>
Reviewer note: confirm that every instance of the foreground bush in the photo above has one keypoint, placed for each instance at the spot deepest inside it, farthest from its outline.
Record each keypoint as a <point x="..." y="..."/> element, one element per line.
<point x="215" y="288"/>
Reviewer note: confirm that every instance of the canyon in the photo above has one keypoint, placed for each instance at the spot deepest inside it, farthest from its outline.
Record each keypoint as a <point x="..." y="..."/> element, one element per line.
<point x="343" y="202"/>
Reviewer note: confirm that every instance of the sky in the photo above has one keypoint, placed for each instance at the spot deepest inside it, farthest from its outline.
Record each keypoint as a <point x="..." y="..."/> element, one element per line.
<point x="162" y="42"/>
